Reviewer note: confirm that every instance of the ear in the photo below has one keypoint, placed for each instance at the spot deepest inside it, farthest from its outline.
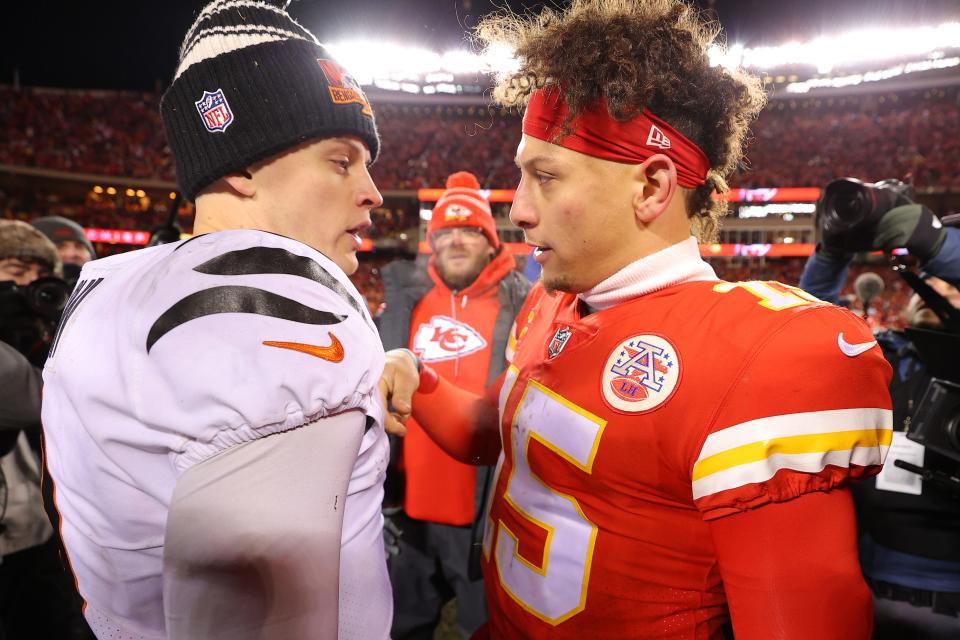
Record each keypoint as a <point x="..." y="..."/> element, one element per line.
<point x="656" y="184"/>
<point x="242" y="183"/>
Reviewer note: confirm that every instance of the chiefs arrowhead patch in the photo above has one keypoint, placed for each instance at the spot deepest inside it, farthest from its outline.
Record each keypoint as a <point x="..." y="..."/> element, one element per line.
<point x="444" y="338"/>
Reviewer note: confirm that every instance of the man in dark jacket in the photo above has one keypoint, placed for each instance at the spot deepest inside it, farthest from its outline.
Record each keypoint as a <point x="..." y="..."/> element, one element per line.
<point x="455" y="311"/>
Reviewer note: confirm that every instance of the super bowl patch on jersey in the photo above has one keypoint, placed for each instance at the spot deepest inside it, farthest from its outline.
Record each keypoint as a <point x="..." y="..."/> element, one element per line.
<point x="640" y="374"/>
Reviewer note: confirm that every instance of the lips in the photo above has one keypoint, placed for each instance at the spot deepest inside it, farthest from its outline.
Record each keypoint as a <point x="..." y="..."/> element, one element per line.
<point x="354" y="232"/>
<point x="540" y="251"/>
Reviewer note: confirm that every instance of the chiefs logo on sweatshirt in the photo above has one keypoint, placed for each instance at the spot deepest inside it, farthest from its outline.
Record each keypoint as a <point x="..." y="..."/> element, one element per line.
<point x="444" y="338"/>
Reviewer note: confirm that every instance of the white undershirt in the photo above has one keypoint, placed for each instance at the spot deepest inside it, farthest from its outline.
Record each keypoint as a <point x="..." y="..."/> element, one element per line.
<point x="676" y="264"/>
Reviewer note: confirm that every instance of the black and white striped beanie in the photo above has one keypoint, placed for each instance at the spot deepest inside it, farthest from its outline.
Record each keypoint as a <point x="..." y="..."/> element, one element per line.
<point x="250" y="83"/>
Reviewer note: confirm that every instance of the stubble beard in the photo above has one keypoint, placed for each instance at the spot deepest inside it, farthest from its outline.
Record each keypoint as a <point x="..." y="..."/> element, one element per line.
<point x="460" y="281"/>
<point x="557" y="283"/>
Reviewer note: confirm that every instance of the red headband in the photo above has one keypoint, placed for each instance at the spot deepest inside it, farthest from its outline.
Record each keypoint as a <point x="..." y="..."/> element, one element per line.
<point x="595" y="133"/>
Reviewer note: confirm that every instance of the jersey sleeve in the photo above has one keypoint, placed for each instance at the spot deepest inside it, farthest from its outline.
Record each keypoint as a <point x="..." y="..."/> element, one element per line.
<point x="247" y="336"/>
<point x="809" y="410"/>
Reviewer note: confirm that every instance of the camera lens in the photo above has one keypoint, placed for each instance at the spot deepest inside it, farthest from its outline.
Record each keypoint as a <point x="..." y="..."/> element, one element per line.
<point x="952" y="430"/>
<point x="847" y="203"/>
<point x="47" y="296"/>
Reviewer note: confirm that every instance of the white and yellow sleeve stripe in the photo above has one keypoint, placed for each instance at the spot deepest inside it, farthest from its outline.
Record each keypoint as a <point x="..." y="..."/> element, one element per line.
<point x="755" y="451"/>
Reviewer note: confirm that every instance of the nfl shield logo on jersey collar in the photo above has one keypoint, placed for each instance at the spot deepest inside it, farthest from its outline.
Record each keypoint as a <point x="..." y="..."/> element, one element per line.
<point x="215" y="111"/>
<point x="558" y="342"/>
<point x="641" y="373"/>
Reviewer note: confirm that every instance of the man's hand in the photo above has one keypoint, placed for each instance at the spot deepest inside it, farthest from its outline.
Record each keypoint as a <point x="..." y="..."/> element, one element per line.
<point x="397" y="385"/>
<point x="391" y="532"/>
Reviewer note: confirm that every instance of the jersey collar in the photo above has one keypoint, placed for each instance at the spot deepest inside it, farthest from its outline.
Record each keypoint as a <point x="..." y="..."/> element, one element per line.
<point x="676" y="264"/>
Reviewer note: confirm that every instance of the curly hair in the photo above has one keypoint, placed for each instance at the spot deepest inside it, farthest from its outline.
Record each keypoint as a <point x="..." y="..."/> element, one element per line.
<point x="636" y="54"/>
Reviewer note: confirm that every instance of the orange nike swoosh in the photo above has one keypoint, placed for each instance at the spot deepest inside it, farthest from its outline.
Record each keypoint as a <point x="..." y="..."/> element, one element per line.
<point x="333" y="353"/>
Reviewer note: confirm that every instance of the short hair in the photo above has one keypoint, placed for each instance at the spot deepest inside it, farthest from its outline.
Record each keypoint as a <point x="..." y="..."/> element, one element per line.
<point x="636" y="54"/>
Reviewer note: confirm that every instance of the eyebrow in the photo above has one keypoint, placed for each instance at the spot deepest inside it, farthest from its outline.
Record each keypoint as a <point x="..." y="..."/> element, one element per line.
<point x="534" y="160"/>
<point x="355" y="147"/>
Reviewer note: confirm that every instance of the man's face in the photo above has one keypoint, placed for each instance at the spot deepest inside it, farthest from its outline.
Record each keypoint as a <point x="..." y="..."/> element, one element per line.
<point x="321" y="194"/>
<point x="73" y="252"/>
<point x="577" y="212"/>
<point x="461" y="254"/>
<point x="23" y="272"/>
<point x="918" y="315"/>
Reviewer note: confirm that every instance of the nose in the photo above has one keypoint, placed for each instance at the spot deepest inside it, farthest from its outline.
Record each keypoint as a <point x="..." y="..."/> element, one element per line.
<point x="523" y="212"/>
<point x="457" y="236"/>
<point x="368" y="197"/>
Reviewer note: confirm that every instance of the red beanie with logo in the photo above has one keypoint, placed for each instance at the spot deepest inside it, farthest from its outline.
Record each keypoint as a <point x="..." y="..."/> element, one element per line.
<point x="462" y="205"/>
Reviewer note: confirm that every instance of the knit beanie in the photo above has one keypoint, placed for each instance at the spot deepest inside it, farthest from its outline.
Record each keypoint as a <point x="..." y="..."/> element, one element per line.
<point x="251" y="83"/>
<point x="462" y="205"/>
<point x="21" y="241"/>
<point x="59" y="229"/>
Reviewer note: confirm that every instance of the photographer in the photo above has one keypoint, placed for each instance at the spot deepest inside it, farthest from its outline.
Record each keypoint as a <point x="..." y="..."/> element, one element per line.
<point x="909" y="527"/>
<point x="36" y="594"/>
<point x="72" y="244"/>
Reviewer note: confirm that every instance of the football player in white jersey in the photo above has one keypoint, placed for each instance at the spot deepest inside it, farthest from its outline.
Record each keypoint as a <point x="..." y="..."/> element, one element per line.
<point x="213" y="428"/>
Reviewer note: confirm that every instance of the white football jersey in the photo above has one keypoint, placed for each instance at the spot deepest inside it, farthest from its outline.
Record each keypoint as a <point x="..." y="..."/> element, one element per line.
<point x="170" y="355"/>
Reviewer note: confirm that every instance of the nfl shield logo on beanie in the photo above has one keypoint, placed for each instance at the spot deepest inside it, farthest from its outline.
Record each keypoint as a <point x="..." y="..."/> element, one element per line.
<point x="215" y="111"/>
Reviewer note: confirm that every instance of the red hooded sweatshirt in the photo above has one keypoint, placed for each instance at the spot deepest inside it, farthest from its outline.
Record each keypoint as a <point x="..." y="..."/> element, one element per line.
<point x="452" y="333"/>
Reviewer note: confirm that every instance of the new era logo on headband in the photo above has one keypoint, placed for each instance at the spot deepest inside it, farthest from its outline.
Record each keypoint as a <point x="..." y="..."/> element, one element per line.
<point x="214" y="111"/>
<point x="656" y="138"/>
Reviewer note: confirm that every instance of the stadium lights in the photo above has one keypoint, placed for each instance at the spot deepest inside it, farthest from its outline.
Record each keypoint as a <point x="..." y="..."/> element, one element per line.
<point x="371" y="61"/>
<point x="871" y="76"/>
<point x="412" y="69"/>
<point x="854" y="47"/>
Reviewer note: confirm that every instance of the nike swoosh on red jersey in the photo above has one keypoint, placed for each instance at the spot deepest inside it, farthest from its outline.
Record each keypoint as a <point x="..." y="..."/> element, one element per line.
<point x="333" y="353"/>
<point x="852" y="349"/>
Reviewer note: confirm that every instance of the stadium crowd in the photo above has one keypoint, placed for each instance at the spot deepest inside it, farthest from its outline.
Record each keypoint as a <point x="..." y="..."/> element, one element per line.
<point x="802" y="142"/>
<point x="119" y="134"/>
<point x="872" y="138"/>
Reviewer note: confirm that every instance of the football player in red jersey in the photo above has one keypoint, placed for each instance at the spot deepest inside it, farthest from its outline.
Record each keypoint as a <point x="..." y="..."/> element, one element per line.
<point x="673" y="450"/>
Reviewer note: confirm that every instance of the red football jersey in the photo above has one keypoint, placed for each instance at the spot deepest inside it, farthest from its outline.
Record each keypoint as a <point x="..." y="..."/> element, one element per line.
<point x="625" y="430"/>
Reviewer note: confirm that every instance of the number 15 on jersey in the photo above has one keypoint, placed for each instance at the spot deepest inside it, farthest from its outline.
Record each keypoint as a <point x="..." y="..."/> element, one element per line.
<point x="553" y="585"/>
